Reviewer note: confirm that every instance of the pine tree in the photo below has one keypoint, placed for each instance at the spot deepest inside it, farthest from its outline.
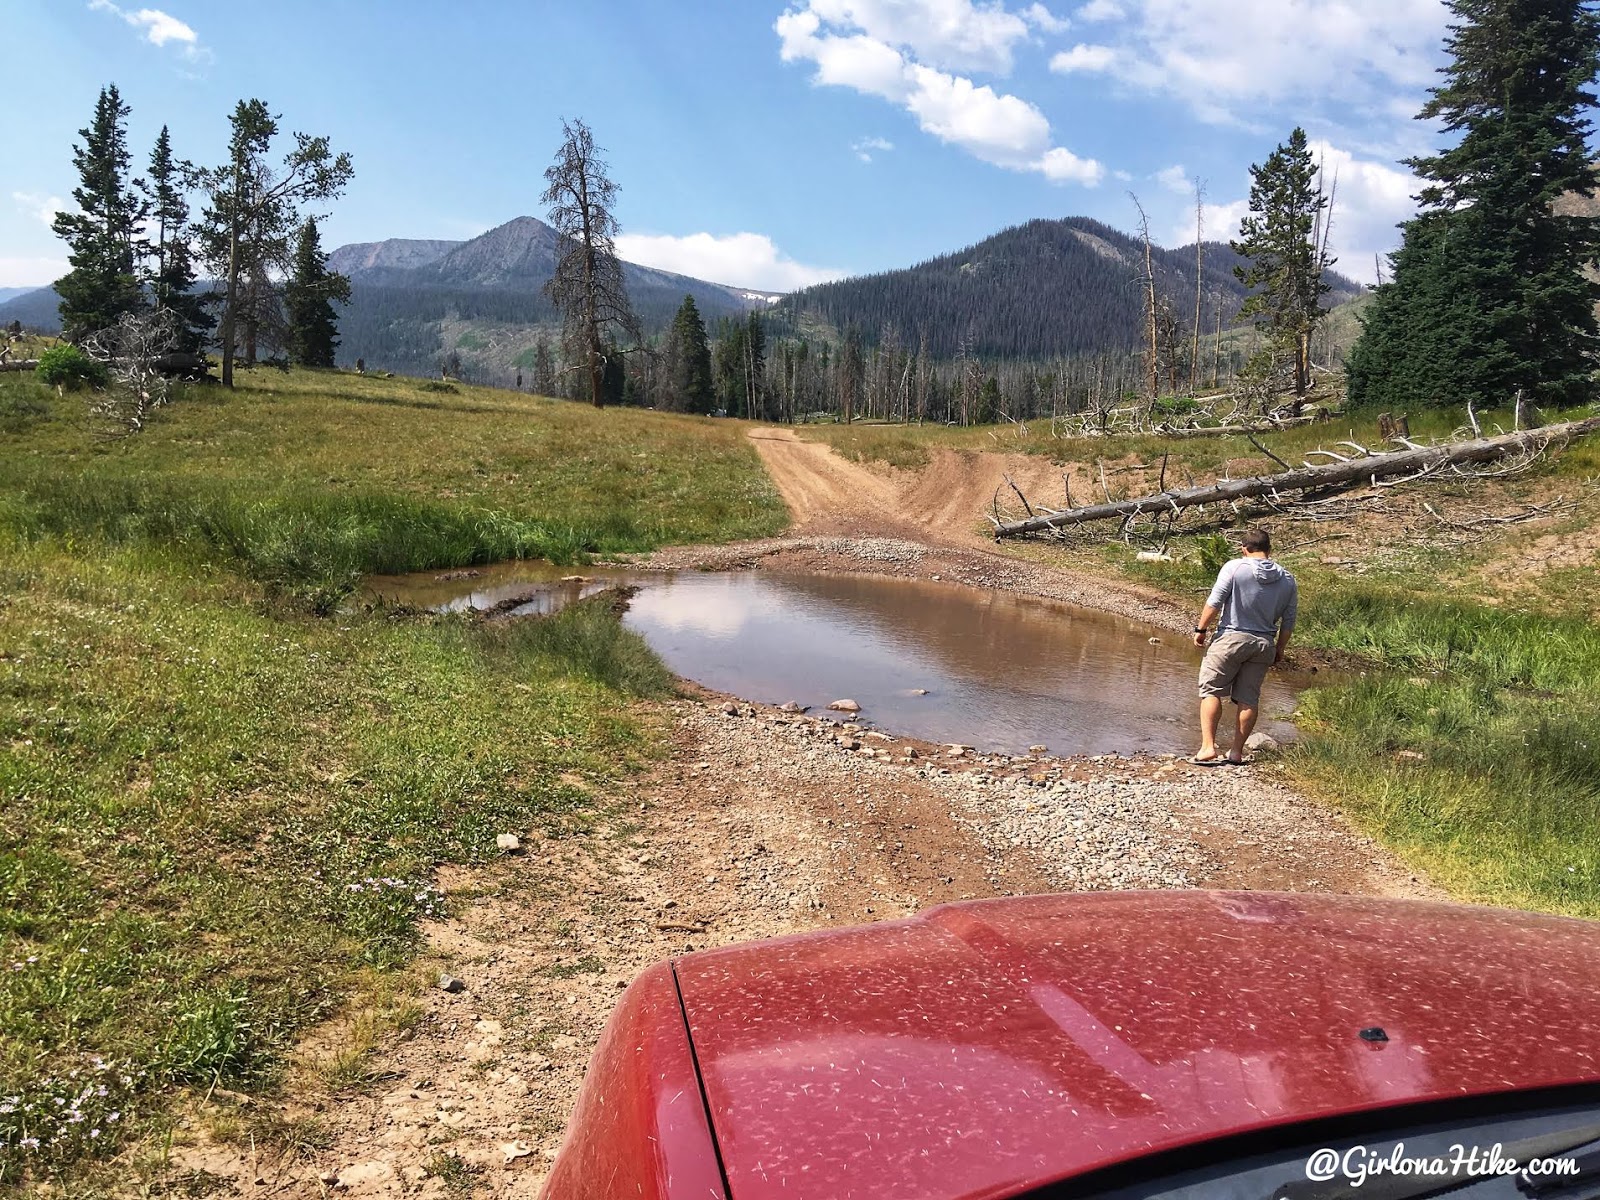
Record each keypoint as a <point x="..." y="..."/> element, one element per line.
<point x="171" y="278"/>
<point x="309" y="296"/>
<point x="544" y="368"/>
<point x="692" y="384"/>
<point x="252" y="215"/>
<point x="727" y="366"/>
<point x="102" y="234"/>
<point x="1287" y="263"/>
<point x="1487" y="297"/>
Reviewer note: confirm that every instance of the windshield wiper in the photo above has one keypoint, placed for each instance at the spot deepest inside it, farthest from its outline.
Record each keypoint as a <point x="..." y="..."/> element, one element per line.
<point x="1588" y="1174"/>
<point x="1419" y="1187"/>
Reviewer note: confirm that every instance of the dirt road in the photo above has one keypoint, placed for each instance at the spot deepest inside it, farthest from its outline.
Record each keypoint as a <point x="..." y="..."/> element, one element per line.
<point x="760" y="822"/>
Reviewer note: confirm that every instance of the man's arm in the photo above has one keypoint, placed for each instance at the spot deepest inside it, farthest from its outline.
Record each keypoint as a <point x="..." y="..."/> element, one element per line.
<point x="1286" y="623"/>
<point x="1220" y="591"/>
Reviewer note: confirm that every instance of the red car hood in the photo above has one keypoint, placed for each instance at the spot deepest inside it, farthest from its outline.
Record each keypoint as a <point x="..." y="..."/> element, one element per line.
<point x="982" y="1048"/>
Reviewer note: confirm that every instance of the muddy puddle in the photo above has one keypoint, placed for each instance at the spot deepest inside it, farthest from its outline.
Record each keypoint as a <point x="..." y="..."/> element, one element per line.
<point x="936" y="661"/>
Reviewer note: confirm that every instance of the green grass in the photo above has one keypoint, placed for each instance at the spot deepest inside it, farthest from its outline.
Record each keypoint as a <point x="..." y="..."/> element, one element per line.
<point x="1477" y="754"/>
<point x="308" y="480"/>
<point x="225" y="791"/>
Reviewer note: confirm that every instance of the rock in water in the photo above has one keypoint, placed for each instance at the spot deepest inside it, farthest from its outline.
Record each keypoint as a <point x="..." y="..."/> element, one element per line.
<point x="845" y="706"/>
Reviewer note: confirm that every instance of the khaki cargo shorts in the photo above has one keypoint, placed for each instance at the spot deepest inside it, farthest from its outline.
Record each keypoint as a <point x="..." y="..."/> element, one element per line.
<point x="1236" y="665"/>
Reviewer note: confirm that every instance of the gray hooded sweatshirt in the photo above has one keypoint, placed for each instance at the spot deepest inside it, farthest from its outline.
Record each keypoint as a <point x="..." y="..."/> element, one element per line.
<point x="1255" y="595"/>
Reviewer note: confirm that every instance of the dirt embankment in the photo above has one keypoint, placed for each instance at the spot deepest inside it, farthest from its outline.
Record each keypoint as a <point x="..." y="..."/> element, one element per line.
<point x="927" y="524"/>
<point x="760" y="822"/>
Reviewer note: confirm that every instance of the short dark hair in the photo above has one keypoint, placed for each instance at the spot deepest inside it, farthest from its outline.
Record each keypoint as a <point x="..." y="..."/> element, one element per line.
<point x="1256" y="540"/>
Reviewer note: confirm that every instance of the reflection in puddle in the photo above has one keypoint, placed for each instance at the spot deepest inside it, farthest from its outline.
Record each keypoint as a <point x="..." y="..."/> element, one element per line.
<point x="1000" y="672"/>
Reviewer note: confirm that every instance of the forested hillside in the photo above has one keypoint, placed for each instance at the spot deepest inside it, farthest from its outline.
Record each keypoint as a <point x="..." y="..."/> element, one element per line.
<point x="1044" y="289"/>
<point x="483" y="300"/>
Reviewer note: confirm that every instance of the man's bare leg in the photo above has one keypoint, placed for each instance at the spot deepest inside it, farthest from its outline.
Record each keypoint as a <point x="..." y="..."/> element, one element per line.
<point x="1210" y="716"/>
<point x="1244" y="724"/>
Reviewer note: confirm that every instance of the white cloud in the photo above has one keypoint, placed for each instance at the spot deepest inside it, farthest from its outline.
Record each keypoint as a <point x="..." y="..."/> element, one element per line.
<point x="1060" y="165"/>
<point x="40" y="207"/>
<point x="1371" y="198"/>
<point x="865" y="148"/>
<point x="857" y="61"/>
<point x="997" y="128"/>
<point x="1002" y="128"/>
<point x="159" y="28"/>
<point x="1084" y="58"/>
<point x="1227" y="55"/>
<point x="748" y="260"/>
<point x="951" y="34"/>
<point x="31" y="272"/>
<point x="1042" y="19"/>
<point x="1218" y="223"/>
<point x="1174" y="179"/>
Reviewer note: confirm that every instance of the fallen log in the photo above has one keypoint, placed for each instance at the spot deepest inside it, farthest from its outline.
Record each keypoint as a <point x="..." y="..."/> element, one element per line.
<point x="192" y="367"/>
<point x="1347" y="472"/>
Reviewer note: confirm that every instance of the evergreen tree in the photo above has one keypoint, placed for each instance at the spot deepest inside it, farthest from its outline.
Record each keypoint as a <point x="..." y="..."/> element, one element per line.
<point x="727" y="366"/>
<point x="692" y="384"/>
<point x="614" y="375"/>
<point x="309" y="296"/>
<point x="544" y="367"/>
<point x="252" y="216"/>
<point x="1487" y="296"/>
<point x="102" y="235"/>
<point x="1280" y="238"/>
<point x="171" y="278"/>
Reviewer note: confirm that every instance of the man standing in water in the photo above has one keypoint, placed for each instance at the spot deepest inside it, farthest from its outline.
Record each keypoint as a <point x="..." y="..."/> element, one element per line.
<point x="1258" y="602"/>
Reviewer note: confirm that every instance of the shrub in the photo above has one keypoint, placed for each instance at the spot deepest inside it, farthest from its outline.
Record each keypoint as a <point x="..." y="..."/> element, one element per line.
<point x="1215" y="551"/>
<point x="69" y="368"/>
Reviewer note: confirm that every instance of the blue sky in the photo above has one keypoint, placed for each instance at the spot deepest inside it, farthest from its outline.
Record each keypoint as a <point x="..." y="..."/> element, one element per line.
<point x="765" y="143"/>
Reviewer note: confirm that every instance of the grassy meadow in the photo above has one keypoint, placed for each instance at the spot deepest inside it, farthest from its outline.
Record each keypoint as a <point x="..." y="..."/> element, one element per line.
<point x="225" y="786"/>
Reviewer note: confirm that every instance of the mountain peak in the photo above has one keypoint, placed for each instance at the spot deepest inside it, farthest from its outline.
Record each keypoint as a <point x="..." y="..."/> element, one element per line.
<point x="397" y="254"/>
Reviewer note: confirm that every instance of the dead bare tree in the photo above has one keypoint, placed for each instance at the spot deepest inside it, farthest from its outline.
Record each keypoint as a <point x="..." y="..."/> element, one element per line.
<point x="1199" y="276"/>
<point x="134" y="351"/>
<point x="587" y="285"/>
<point x="1149" y="285"/>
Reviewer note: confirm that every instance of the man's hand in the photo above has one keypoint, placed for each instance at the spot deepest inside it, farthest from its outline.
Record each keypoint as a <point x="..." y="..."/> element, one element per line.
<point x="1199" y="637"/>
